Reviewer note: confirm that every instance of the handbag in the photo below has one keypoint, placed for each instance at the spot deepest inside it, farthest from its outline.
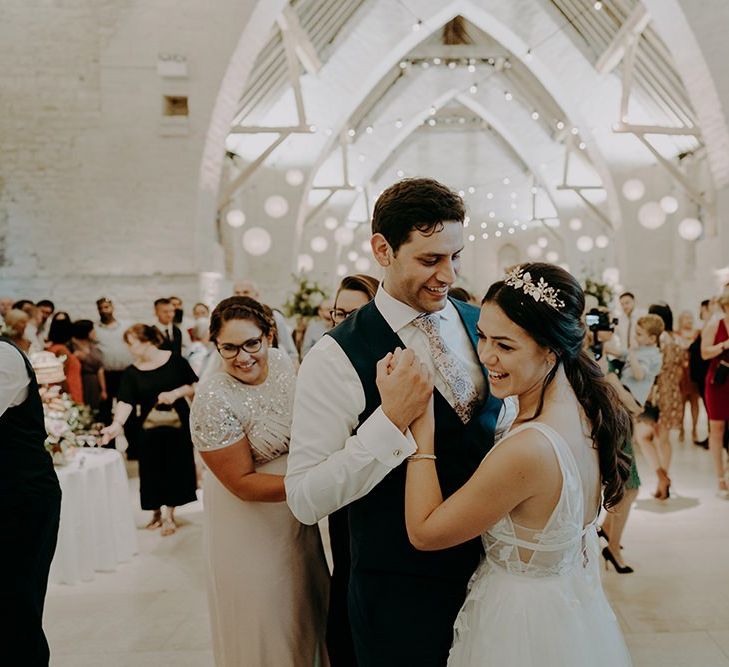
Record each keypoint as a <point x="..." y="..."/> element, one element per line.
<point x="162" y="415"/>
<point x="721" y="372"/>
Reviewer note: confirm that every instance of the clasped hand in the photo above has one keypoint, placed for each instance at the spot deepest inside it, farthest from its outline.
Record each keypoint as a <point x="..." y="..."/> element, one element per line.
<point x="405" y="385"/>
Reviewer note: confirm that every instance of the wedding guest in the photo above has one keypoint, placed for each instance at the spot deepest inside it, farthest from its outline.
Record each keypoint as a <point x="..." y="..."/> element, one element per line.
<point x="47" y="308"/>
<point x="201" y="348"/>
<point x="715" y="347"/>
<point x="16" y="322"/>
<point x="179" y="316"/>
<point x="461" y="293"/>
<point x="115" y="358"/>
<point x="93" y="378"/>
<point x="687" y="333"/>
<point x="263" y="565"/>
<point x="317" y="326"/>
<point x="537" y="598"/>
<point x="283" y="334"/>
<point x="6" y="305"/>
<point x="174" y="338"/>
<point x="157" y="384"/>
<point x="698" y="366"/>
<point x="30" y="506"/>
<point x="349" y="438"/>
<point x="627" y="318"/>
<point x="353" y="292"/>
<point x="200" y="311"/>
<point x="670" y="401"/>
<point x="32" y="330"/>
<point x="59" y="338"/>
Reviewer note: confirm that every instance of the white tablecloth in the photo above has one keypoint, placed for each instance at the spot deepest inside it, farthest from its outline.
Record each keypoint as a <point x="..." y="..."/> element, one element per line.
<point x="97" y="530"/>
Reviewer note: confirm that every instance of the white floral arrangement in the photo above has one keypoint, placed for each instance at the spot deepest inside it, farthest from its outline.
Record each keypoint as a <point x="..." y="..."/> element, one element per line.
<point x="68" y="424"/>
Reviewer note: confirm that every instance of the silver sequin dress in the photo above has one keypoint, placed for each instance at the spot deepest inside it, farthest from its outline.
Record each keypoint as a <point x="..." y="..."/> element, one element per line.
<point x="267" y="576"/>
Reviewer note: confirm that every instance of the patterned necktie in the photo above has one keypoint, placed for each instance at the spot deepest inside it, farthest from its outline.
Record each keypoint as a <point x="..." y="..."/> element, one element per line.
<point x="449" y="366"/>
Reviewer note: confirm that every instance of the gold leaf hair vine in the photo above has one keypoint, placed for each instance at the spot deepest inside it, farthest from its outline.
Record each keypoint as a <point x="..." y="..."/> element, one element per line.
<point x="540" y="291"/>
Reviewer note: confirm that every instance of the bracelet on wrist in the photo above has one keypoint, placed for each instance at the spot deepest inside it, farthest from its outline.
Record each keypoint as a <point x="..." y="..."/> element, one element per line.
<point x="421" y="457"/>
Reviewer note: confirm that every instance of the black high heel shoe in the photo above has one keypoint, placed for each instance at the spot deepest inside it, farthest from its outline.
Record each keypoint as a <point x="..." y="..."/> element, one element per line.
<point x="601" y="533"/>
<point x="609" y="558"/>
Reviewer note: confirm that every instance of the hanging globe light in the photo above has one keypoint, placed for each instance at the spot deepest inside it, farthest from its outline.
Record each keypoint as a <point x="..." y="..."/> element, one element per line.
<point x="575" y="224"/>
<point x="342" y="270"/>
<point x="256" y="241"/>
<point x="611" y="275"/>
<point x="235" y="217"/>
<point x="669" y="204"/>
<point x="362" y="264"/>
<point x="343" y="236"/>
<point x="633" y="189"/>
<point x="585" y="243"/>
<point x="690" y="229"/>
<point x="276" y="206"/>
<point x="331" y="223"/>
<point x="533" y="251"/>
<point x="602" y="241"/>
<point x="552" y="256"/>
<point x="651" y="215"/>
<point x="294" y="177"/>
<point x="319" y="244"/>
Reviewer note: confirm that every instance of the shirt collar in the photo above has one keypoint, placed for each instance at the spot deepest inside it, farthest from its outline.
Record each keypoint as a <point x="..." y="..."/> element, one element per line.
<point x="398" y="314"/>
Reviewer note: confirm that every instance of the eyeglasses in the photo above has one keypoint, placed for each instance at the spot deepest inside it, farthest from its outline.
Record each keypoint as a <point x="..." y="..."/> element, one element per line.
<point x="231" y="350"/>
<point x="339" y="315"/>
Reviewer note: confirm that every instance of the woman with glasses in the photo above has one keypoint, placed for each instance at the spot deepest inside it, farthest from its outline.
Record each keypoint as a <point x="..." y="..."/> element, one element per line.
<point x="156" y="386"/>
<point x="353" y="293"/>
<point x="267" y="576"/>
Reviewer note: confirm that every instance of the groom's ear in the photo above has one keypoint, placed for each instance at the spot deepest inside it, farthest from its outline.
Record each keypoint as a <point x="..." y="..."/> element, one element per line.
<point x="381" y="249"/>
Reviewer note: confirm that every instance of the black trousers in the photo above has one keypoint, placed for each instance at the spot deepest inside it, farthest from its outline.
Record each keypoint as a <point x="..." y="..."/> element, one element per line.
<point x="403" y="621"/>
<point x="27" y="544"/>
<point x="339" y="633"/>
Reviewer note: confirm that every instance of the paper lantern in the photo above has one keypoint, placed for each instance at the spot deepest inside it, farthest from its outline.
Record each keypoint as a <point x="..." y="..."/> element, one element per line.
<point x="533" y="251"/>
<point x="343" y="236"/>
<point x="276" y="206"/>
<point x="256" y="241"/>
<point x="305" y="263"/>
<point x="235" y="217"/>
<point x="331" y="223"/>
<point x="690" y="229"/>
<point x="575" y="224"/>
<point x="294" y="177"/>
<point x="602" y="241"/>
<point x="651" y="215"/>
<point x="585" y="243"/>
<point x="633" y="189"/>
<point x="319" y="244"/>
<point x="362" y="264"/>
<point x="669" y="204"/>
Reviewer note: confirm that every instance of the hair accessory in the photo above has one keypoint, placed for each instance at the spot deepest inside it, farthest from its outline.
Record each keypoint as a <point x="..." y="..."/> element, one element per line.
<point x="539" y="291"/>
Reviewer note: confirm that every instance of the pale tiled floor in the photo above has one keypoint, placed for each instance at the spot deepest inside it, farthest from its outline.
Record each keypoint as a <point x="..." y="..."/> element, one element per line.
<point x="674" y="609"/>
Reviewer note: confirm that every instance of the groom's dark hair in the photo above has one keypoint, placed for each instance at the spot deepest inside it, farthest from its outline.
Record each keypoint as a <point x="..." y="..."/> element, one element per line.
<point x="421" y="204"/>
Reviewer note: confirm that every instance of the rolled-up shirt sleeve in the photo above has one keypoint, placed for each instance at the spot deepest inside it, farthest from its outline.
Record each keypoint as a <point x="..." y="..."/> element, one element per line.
<point x="329" y="464"/>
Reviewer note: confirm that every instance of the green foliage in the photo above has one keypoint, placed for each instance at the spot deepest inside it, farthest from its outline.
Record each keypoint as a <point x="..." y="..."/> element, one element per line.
<point x="306" y="299"/>
<point x="601" y="291"/>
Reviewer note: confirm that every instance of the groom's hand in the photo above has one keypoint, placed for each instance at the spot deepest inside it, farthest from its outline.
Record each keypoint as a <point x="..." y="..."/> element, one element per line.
<point x="405" y="387"/>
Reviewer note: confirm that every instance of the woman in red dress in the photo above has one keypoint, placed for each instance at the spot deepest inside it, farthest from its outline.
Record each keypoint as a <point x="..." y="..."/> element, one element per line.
<point x="715" y="346"/>
<point x="59" y="337"/>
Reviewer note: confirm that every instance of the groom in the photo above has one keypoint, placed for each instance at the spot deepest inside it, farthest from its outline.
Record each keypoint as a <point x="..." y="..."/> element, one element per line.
<point x="349" y="439"/>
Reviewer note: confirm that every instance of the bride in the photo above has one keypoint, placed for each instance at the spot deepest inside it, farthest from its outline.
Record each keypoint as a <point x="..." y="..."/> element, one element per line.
<point x="536" y="598"/>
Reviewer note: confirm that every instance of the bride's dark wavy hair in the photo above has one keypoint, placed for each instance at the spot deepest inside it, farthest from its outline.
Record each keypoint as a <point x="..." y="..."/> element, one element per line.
<point x="562" y="331"/>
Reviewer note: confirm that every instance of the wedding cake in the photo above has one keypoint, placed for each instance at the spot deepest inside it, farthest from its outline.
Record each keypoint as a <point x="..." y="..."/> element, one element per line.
<point x="48" y="367"/>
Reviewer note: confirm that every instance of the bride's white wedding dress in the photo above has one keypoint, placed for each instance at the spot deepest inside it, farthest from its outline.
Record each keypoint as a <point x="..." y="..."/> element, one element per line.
<point x="537" y="599"/>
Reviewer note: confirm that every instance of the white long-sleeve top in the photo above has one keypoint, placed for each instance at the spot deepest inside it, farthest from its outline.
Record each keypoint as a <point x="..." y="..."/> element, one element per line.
<point x="329" y="464"/>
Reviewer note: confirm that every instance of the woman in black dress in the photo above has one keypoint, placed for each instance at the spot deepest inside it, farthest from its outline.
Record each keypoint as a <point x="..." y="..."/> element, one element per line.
<point x="157" y="384"/>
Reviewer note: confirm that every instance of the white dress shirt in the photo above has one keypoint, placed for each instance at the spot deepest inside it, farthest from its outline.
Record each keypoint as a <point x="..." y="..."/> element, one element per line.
<point x="626" y="323"/>
<point x="329" y="465"/>
<point x="14" y="378"/>
<point x="115" y="353"/>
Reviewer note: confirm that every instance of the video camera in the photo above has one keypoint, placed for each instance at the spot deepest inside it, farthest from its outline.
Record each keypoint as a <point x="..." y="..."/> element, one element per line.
<point x="598" y="320"/>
